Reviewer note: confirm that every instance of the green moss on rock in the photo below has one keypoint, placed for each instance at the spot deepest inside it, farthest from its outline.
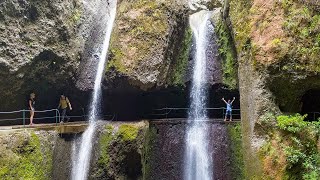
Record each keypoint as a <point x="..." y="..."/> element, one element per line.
<point x="237" y="160"/>
<point x="239" y="10"/>
<point x="128" y="132"/>
<point x="119" y="145"/>
<point x="227" y="52"/>
<point x="278" y="50"/>
<point x="291" y="151"/>
<point x="140" y="28"/>
<point x="300" y="48"/>
<point x="104" y="143"/>
<point x="29" y="157"/>
<point x="148" y="151"/>
<point x="181" y="65"/>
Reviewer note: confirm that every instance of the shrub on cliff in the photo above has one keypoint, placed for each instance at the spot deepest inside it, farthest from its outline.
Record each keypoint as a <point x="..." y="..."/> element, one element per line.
<point x="292" y="151"/>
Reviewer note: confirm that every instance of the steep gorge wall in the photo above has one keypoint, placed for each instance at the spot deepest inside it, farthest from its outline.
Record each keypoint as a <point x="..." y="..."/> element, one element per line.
<point x="278" y="54"/>
<point x="40" y="48"/>
<point x="26" y="154"/>
<point x="45" y="47"/>
<point x="37" y="154"/>
<point x="165" y="150"/>
<point x="151" y="45"/>
<point x="122" y="150"/>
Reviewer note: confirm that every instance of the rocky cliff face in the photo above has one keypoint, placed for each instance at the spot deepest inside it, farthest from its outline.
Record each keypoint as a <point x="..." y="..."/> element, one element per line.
<point x="47" y="47"/>
<point x="40" y="48"/>
<point x="165" y="150"/>
<point x="278" y="53"/>
<point x="151" y="45"/>
<point x="121" y="151"/>
<point x="26" y="154"/>
<point x="36" y="154"/>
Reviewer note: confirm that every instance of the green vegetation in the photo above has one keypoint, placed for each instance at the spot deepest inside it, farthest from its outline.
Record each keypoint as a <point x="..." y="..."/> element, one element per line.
<point x="239" y="15"/>
<point x="150" y="135"/>
<point x="289" y="64"/>
<point x="181" y="65"/>
<point x="28" y="159"/>
<point x="227" y="53"/>
<point x="297" y="48"/>
<point x="292" y="150"/>
<point x="242" y="23"/>
<point x="115" y="62"/>
<point x="300" y="49"/>
<point x="292" y="124"/>
<point x="125" y="133"/>
<point x="267" y="121"/>
<point x="237" y="160"/>
<point x="76" y="15"/>
<point x="141" y="29"/>
<point x="128" y="132"/>
<point x="104" y="142"/>
<point x="116" y="144"/>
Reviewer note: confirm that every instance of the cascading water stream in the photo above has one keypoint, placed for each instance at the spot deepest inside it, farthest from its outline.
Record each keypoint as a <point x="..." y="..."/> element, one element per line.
<point x="198" y="162"/>
<point x="82" y="159"/>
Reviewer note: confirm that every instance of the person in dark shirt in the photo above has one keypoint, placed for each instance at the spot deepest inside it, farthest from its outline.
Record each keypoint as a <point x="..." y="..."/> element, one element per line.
<point x="31" y="104"/>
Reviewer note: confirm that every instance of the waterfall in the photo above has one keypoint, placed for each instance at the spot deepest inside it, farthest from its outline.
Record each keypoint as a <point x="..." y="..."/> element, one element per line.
<point x="198" y="162"/>
<point x="81" y="161"/>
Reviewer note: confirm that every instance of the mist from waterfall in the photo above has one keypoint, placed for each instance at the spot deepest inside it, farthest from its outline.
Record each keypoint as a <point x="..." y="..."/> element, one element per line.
<point x="82" y="157"/>
<point x="198" y="162"/>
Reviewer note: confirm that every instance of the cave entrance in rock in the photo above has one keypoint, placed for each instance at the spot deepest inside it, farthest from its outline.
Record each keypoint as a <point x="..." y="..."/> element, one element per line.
<point x="310" y="104"/>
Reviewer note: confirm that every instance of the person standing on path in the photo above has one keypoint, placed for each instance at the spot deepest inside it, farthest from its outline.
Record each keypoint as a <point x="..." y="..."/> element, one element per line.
<point x="229" y="108"/>
<point x="31" y="104"/>
<point x="63" y="104"/>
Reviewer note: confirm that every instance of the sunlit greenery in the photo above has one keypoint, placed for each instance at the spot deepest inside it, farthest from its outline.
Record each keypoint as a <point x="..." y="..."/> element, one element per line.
<point x="29" y="159"/>
<point x="292" y="148"/>
<point x="227" y="53"/>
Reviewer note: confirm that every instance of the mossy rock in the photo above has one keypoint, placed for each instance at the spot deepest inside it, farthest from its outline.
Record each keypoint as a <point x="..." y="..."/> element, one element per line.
<point x="228" y="53"/>
<point x="235" y="134"/>
<point x="128" y="132"/>
<point x="291" y="150"/>
<point x="147" y="22"/>
<point x="180" y="66"/>
<point x="145" y="47"/>
<point x="27" y="156"/>
<point x="118" y="144"/>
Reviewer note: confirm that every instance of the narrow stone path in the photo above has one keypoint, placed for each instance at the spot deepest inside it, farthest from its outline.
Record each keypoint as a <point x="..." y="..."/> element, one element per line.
<point x="80" y="126"/>
<point x="69" y="127"/>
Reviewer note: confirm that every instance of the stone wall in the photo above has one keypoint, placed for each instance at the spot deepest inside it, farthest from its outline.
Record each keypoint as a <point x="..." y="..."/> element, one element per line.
<point x="166" y="148"/>
<point x="277" y="50"/>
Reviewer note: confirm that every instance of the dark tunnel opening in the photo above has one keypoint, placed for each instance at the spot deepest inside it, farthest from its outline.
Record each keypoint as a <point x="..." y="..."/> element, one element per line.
<point x="129" y="105"/>
<point x="150" y="104"/>
<point x="310" y="104"/>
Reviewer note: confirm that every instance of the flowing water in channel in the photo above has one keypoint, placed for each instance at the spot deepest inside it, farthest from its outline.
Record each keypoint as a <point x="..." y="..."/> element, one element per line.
<point x="81" y="161"/>
<point x="198" y="162"/>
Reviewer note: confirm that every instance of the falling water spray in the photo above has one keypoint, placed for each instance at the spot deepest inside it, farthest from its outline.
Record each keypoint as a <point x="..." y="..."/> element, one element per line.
<point x="198" y="162"/>
<point x="81" y="161"/>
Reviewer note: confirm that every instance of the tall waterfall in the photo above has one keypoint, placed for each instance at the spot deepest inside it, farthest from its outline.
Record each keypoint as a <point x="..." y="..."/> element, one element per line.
<point x="198" y="162"/>
<point x="81" y="163"/>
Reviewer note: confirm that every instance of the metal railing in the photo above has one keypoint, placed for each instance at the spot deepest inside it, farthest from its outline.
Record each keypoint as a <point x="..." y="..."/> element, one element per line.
<point x="315" y="115"/>
<point x="168" y="110"/>
<point x="24" y="117"/>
